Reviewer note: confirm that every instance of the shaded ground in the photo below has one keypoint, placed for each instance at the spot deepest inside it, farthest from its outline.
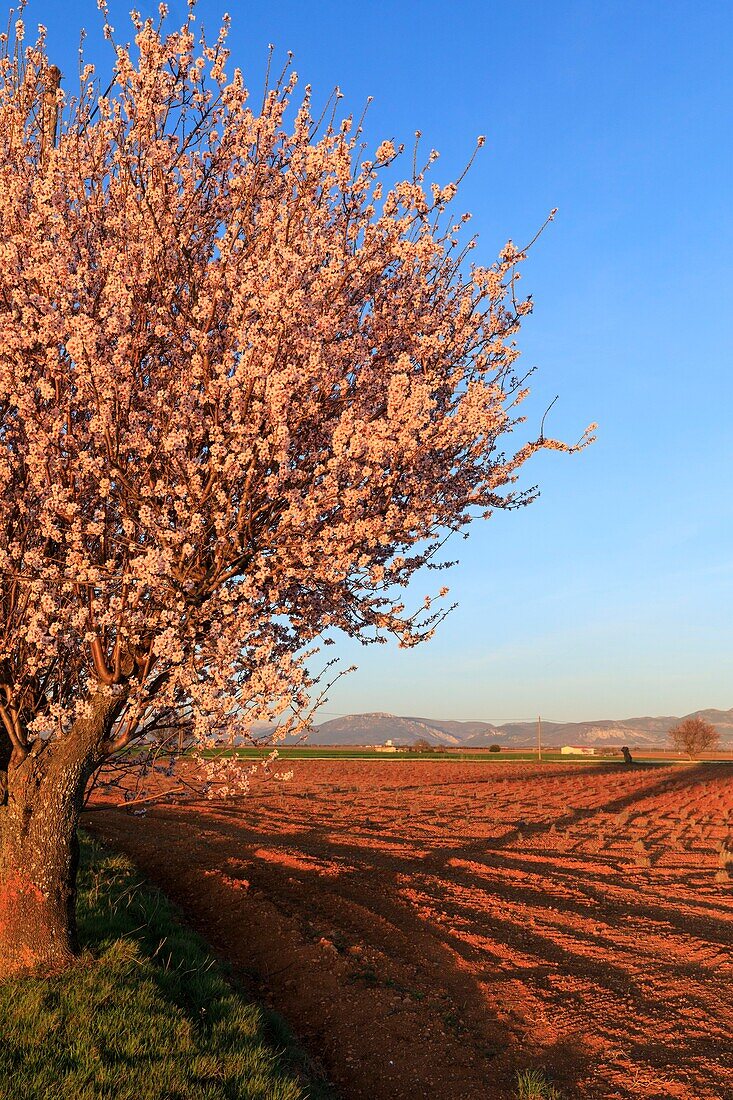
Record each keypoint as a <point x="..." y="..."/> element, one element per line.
<point x="429" y="927"/>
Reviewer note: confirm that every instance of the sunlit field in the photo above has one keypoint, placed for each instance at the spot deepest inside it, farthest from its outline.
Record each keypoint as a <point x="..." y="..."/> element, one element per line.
<point x="473" y="920"/>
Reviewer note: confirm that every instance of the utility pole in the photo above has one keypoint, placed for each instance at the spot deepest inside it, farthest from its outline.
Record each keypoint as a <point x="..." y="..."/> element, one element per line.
<point x="539" y="740"/>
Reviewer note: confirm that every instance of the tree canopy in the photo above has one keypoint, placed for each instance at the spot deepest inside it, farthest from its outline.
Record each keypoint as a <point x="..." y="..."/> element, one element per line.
<point x="694" y="735"/>
<point x="246" y="389"/>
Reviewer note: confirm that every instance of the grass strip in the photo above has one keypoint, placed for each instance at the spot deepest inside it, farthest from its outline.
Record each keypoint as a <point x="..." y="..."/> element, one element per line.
<point x="439" y="755"/>
<point x="146" y="1014"/>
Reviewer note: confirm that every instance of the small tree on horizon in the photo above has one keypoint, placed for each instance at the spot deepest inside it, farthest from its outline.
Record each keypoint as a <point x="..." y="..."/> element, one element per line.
<point x="693" y="736"/>
<point x="422" y="745"/>
<point x="246" y="392"/>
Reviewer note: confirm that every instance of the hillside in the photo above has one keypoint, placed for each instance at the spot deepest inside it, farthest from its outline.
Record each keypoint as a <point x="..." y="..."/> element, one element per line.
<point x="378" y="727"/>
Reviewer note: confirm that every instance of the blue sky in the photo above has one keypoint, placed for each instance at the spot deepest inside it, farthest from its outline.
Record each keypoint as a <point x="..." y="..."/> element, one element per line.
<point x="611" y="595"/>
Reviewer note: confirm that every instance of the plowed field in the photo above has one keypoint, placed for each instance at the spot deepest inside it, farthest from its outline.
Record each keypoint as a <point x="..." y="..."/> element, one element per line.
<point x="430" y="928"/>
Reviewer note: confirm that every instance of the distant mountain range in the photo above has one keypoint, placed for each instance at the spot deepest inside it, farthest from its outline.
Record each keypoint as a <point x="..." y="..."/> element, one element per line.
<point x="378" y="728"/>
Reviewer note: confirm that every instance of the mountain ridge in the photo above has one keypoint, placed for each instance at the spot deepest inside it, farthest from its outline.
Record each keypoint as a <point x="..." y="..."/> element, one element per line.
<point x="378" y="727"/>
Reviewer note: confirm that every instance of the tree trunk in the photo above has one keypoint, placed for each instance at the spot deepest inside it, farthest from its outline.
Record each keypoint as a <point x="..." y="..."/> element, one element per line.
<point x="39" y="851"/>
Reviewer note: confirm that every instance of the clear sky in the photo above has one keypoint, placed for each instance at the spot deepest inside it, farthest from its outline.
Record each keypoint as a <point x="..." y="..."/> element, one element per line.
<point x="612" y="595"/>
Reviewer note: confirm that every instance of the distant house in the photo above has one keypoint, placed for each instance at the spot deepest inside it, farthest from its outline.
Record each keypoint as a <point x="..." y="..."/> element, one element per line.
<point x="386" y="747"/>
<point x="577" y="750"/>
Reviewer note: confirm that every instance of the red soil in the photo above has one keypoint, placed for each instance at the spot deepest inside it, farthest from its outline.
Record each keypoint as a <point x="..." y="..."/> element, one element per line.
<point x="428" y="928"/>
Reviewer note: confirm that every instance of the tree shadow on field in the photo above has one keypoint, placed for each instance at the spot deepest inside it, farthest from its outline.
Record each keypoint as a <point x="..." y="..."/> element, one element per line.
<point x="670" y="784"/>
<point x="423" y="953"/>
<point x="564" y="1061"/>
<point x="573" y="890"/>
<point x="304" y="940"/>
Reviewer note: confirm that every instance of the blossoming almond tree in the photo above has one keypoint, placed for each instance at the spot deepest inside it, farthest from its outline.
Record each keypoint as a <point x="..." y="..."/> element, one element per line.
<point x="244" y="394"/>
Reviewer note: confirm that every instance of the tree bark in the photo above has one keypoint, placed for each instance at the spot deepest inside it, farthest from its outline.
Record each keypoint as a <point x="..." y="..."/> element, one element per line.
<point x="39" y="851"/>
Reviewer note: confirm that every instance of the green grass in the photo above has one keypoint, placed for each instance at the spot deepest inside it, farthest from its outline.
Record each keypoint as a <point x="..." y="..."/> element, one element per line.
<point x="453" y="756"/>
<point x="533" y="1085"/>
<point x="147" y="1014"/>
<point x="315" y="753"/>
